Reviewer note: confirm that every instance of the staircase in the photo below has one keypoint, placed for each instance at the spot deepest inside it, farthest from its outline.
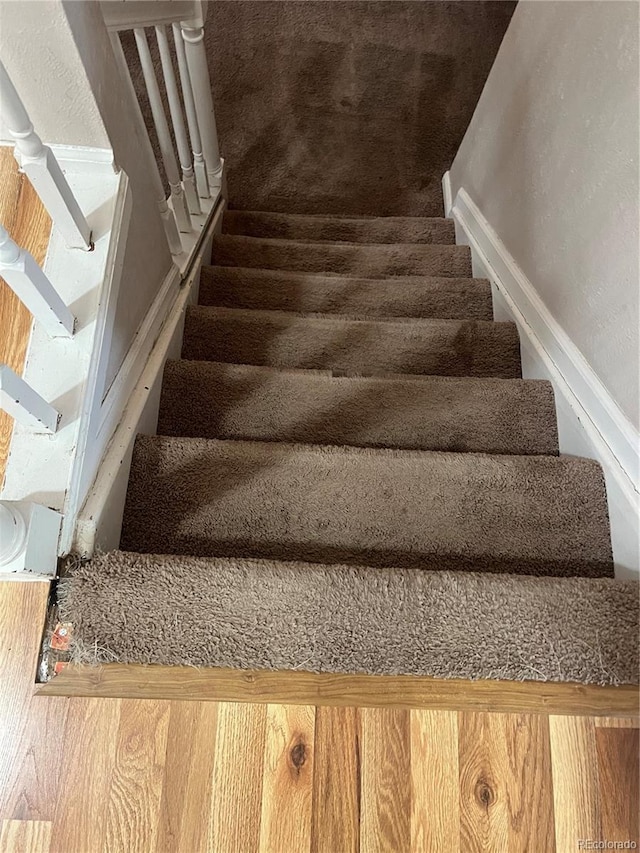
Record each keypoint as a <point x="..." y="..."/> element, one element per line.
<point x="350" y="475"/>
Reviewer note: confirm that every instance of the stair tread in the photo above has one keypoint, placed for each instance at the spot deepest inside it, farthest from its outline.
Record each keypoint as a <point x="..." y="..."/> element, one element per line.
<point x="218" y="400"/>
<point x="352" y="344"/>
<point x="539" y="515"/>
<point x="408" y="296"/>
<point x="370" y="260"/>
<point x="238" y="612"/>
<point x="322" y="228"/>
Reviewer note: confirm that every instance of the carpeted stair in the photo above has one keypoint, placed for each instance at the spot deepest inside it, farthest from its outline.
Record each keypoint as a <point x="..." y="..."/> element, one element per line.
<point x="351" y="475"/>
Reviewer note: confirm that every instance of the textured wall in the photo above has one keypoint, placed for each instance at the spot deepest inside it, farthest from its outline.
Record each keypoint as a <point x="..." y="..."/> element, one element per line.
<point x="551" y="159"/>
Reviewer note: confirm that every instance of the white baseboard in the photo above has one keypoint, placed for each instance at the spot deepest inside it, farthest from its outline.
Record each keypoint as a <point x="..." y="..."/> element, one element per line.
<point x="446" y="194"/>
<point x="589" y="421"/>
<point x="99" y="522"/>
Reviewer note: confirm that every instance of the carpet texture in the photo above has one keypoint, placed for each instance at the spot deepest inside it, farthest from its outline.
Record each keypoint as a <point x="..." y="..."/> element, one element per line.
<point x="342" y="107"/>
<point x="258" y="614"/>
<point x="521" y="514"/>
<point x="345" y="345"/>
<point x="379" y="229"/>
<point x="210" y="400"/>
<point x="357" y="259"/>
<point x="402" y="296"/>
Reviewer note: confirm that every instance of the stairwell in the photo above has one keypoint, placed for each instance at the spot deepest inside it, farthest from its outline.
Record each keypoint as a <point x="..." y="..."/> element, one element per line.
<point x="350" y="475"/>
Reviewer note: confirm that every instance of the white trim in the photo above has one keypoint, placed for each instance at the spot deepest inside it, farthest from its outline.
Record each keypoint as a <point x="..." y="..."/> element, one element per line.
<point x="98" y="523"/>
<point x="604" y="429"/>
<point x="25" y="405"/>
<point x="446" y="194"/>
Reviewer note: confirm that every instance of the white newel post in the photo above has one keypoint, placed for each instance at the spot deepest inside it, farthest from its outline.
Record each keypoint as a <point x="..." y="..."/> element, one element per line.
<point x="19" y="400"/>
<point x="38" y="162"/>
<point x="193" y="36"/>
<point x="164" y="137"/>
<point x="32" y="287"/>
<point x="179" y="129"/>
<point x="202" y="180"/>
<point x="166" y="214"/>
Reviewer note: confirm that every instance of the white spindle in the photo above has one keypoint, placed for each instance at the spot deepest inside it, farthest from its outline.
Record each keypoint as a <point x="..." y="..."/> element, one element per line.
<point x="193" y="36"/>
<point x="38" y="162"/>
<point x="164" y="137"/>
<point x="23" y="275"/>
<point x="166" y="214"/>
<point x="200" y="169"/>
<point x="19" y="400"/>
<point x="179" y="129"/>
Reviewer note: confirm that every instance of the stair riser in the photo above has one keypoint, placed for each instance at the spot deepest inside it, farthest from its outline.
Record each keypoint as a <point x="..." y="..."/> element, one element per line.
<point x="436" y="347"/>
<point x="310" y="228"/>
<point x="232" y="402"/>
<point x="274" y="290"/>
<point x="460" y="512"/>
<point x="348" y="259"/>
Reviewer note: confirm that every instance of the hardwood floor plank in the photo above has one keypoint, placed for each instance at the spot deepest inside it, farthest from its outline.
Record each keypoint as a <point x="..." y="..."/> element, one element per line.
<point x="25" y="836"/>
<point x="336" y="781"/>
<point x="237" y="778"/>
<point x="616" y="722"/>
<point x="137" y="775"/>
<point x="435" y="815"/>
<point x="505" y="783"/>
<point x="23" y="215"/>
<point x="575" y="781"/>
<point x="32" y="729"/>
<point x="618" y="751"/>
<point x="385" y="793"/>
<point x="307" y="688"/>
<point x="188" y="772"/>
<point x="287" y="781"/>
<point x="89" y="755"/>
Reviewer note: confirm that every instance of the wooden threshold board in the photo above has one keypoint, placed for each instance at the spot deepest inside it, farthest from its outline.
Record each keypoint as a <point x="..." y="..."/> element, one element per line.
<point x="138" y="681"/>
<point x="28" y="223"/>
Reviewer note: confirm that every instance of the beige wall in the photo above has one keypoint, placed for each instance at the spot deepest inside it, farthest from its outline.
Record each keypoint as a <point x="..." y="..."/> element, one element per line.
<point x="551" y="159"/>
<point x="60" y="58"/>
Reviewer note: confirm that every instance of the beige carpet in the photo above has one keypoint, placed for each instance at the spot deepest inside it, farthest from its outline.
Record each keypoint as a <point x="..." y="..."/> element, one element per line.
<point x="343" y="107"/>
<point x="258" y="614"/>
<point x="302" y="506"/>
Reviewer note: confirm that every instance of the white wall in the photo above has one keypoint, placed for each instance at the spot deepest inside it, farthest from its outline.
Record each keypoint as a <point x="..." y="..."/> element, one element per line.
<point x="551" y="160"/>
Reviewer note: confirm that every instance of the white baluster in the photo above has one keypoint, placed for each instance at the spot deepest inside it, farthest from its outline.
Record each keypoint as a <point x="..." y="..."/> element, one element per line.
<point x="179" y="130"/>
<point x="193" y="36"/>
<point x="164" y="137"/>
<point x="19" y="400"/>
<point x="166" y="214"/>
<point x="202" y="181"/>
<point x="38" y="162"/>
<point x="23" y="275"/>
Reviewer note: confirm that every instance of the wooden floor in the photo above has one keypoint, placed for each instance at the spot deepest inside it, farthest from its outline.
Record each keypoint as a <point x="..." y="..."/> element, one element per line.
<point x="26" y="220"/>
<point x="92" y="775"/>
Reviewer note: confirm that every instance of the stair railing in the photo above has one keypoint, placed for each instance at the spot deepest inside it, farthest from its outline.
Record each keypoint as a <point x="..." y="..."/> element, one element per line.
<point x="196" y="173"/>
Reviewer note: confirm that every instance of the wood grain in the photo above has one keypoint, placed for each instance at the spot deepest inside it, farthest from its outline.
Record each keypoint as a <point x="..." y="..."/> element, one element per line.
<point x="386" y="780"/>
<point x="618" y="751"/>
<point x="26" y="220"/>
<point x="79" y="775"/>
<point x="188" y="772"/>
<point x="506" y="800"/>
<point x="137" y="776"/>
<point x="337" y="781"/>
<point x="89" y="748"/>
<point x="435" y="814"/>
<point x="25" y="836"/>
<point x="575" y="781"/>
<point x="237" y="778"/>
<point x="287" y="780"/>
<point x="307" y="688"/>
